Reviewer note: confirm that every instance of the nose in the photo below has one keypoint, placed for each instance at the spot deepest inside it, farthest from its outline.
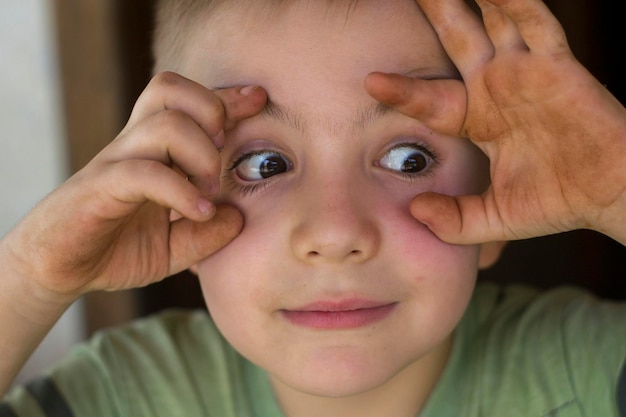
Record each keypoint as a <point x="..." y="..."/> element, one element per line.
<point x="334" y="224"/>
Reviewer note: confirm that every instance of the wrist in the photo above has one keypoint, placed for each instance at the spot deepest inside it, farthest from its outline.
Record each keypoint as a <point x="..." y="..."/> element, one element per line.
<point x="22" y="294"/>
<point x="607" y="199"/>
<point x="611" y="220"/>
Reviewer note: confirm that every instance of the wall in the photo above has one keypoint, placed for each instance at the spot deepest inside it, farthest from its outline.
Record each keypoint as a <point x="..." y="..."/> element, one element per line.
<point x="33" y="158"/>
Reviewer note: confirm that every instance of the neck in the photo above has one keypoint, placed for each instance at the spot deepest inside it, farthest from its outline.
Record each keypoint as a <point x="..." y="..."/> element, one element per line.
<point x="404" y="395"/>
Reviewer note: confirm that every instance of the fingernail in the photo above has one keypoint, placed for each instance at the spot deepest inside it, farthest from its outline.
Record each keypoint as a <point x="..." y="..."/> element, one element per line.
<point x="206" y="207"/>
<point x="246" y="91"/>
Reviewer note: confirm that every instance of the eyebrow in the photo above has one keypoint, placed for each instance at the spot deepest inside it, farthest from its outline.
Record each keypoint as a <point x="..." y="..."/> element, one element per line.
<point x="363" y="117"/>
<point x="300" y="120"/>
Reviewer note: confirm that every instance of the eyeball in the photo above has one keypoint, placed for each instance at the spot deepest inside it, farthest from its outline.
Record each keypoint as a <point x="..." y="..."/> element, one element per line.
<point x="261" y="165"/>
<point x="407" y="159"/>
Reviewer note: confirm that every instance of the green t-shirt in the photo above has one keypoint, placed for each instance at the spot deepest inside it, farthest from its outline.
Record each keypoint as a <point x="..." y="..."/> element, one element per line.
<point x="517" y="352"/>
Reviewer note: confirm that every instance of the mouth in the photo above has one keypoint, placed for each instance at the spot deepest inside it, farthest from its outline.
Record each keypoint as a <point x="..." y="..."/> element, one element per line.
<point x="347" y="314"/>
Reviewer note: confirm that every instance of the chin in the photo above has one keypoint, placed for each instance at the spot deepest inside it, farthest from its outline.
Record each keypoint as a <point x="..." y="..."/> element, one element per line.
<point x="341" y="377"/>
<point x="338" y="386"/>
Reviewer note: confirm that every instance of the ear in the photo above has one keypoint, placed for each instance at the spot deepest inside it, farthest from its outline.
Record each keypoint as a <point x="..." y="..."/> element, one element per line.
<point x="490" y="253"/>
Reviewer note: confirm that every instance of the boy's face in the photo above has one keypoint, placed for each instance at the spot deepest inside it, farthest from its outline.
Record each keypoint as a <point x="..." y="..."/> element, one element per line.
<point x="332" y="286"/>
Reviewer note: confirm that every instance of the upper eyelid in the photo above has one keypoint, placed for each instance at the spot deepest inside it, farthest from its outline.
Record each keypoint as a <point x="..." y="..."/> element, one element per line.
<point x="248" y="155"/>
<point x="422" y="146"/>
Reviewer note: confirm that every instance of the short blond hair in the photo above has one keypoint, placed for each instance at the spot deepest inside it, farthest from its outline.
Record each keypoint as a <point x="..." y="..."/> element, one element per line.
<point x="176" y="20"/>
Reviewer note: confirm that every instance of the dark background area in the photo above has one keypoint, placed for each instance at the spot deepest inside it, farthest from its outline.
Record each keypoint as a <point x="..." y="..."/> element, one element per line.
<point x="596" y="34"/>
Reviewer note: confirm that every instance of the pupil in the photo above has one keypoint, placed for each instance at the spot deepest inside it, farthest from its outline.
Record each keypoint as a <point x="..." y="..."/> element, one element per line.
<point x="272" y="166"/>
<point x="414" y="163"/>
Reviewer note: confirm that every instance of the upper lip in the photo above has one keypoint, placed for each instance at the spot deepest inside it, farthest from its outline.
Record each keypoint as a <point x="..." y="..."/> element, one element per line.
<point x="341" y="305"/>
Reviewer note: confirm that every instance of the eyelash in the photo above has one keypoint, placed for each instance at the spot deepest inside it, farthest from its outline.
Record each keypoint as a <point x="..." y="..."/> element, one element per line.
<point x="432" y="155"/>
<point x="248" y="189"/>
<point x="259" y="186"/>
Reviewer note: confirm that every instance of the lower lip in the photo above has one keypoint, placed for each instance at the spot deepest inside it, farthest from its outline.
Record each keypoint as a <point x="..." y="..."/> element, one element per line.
<point x="345" y="319"/>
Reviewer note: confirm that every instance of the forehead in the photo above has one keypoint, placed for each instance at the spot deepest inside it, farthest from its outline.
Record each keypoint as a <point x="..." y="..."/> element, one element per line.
<point x="314" y="49"/>
<point x="372" y="34"/>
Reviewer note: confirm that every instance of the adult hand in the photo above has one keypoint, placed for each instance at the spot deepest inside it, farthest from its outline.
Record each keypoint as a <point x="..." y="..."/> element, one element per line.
<point x="555" y="136"/>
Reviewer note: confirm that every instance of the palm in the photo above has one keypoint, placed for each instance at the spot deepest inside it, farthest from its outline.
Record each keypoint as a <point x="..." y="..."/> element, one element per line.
<point x="513" y="110"/>
<point x="109" y="226"/>
<point x="550" y="129"/>
<point x="138" y="248"/>
<point x="531" y="113"/>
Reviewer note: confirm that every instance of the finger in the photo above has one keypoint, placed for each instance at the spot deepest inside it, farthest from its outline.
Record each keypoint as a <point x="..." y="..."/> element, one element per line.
<point x="501" y="29"/>
<point x="134" y="182"/>
<point x="213" y="112"/>
<point x="461" y="32"/>
<point x="439" y="104"/>
<point x="172" y="138"/>
<point x="538" y="27"/>
<point x="190" y="242"/>
<point x="241" y="103"/>
<point x="457" y="220"/>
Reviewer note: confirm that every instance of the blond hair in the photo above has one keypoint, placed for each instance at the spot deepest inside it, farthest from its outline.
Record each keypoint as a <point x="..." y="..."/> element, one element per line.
<point x="176" y="20"/>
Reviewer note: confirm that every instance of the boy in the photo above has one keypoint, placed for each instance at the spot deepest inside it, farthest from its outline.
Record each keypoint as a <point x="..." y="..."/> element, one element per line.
<point x="340" y="301"/>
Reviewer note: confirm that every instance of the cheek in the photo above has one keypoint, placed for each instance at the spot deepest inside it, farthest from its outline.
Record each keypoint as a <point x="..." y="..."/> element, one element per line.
<point x="230" y="287"/>
<point x="245" y="270"/>
<point x="440" y="279"/>
<point x="435" y="270"/>
<point x="243" y="283"/>
<point x="431" y="259"/>
<point x="241" y="278"/>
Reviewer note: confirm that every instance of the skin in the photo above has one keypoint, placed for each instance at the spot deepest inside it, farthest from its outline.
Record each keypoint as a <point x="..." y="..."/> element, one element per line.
<point x="555" y="136"/>
<point x="123" y="198"/>
<point x="336" y="225"/>
<point x="111" y="227"/>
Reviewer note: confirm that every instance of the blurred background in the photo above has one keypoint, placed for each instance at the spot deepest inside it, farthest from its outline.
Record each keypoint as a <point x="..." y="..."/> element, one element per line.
<point x="70" y="72"/>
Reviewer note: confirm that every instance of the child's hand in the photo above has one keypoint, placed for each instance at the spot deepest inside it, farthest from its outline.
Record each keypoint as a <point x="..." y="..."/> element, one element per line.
<point x="556" y="138"/>
<point x="109" y="226"/>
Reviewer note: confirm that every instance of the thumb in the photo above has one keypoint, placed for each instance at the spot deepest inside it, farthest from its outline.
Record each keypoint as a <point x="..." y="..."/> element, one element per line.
<point x="190" y="241"/>
<point x="439" y="104"/>
<point x="457" y="220"/>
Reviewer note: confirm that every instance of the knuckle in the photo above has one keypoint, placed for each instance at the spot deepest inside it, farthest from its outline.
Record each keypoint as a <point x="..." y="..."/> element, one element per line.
<point x="162" y="124"/>
<point x="126" y="170"/>
<point x="175" y="123"/>
<point x="215" y="111"/>
<point x="165" y="79"/>
<point x="173" y="117"/>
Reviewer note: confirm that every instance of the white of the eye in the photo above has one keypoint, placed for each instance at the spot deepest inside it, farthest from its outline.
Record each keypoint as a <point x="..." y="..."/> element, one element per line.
<point x="396" y="157"/>
<point x="250" y="169"/>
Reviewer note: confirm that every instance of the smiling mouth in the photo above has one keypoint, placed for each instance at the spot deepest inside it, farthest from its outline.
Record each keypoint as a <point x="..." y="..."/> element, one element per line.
<point x="346" y="315"/>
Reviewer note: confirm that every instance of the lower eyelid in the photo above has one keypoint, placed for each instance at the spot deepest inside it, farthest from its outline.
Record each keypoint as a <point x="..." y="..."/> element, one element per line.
<point x="245" y="190"/>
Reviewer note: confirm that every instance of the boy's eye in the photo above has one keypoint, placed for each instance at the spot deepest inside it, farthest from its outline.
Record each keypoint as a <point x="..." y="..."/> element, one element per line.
<point x="407" y="159"/>
<point x="261" y="165"/>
